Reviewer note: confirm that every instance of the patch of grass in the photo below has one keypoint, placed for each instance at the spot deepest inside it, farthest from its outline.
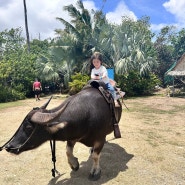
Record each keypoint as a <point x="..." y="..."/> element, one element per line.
<point x="147" y="109"/>
<point x="11" y="104"/>
<point x="151" y="120"/>
<point x="154" y="159"/>
<point x="22" y="102"/>
<point x="179" y="108"/>
<point x="183" y="155"/>
<point x="174" y="143"/>
<point x="152" y="143"/>
<point x="144" y="109"/>
<point x="178" y="133"/>
<point x="10" y="179"/>
<point x="156" y="123"/>
<point x="152" y="137"/>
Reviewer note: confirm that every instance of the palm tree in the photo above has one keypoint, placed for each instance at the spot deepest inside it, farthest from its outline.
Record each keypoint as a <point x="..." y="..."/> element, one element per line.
<point x="133" y="48"/>
<point x="80" y="25"/>
<point x="88" y="31"/>
<point x="59" y="62"/>
<point x="26" y="25"/>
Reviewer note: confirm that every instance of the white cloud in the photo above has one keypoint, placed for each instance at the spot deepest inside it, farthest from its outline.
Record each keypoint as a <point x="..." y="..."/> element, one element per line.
<point x="157" y="27"/>
<point x="120" y="11"/>
<point x="10" y="14"/>
<point x="41" y="16"/>
<point x="177" y="8"/>
<point x="89" y="5"/>
<point x="43" y="13"/>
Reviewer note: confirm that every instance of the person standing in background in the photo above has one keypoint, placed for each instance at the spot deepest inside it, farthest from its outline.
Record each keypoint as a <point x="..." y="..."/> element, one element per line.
<point x="37" y="88"/>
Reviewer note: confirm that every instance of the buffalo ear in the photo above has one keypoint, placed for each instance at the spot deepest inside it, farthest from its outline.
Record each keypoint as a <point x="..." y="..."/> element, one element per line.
<point x="56" y="126"/>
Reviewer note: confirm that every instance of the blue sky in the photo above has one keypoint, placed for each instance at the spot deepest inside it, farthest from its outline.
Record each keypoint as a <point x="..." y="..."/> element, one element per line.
<point x="152" y="8"/>
<point x="42" y="14"/>
<point x="161" y="12"/>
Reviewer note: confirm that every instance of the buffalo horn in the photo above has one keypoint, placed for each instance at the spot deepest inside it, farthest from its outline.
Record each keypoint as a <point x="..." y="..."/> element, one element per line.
<point x="46" y="104"/>
<point x="45" y="118"/>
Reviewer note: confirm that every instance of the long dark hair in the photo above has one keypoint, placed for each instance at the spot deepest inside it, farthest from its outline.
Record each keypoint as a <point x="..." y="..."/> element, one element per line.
<point x="96" y="55"/>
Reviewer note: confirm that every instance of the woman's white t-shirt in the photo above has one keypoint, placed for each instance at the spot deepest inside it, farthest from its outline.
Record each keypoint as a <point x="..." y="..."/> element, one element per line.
<point x="102" y="71"/>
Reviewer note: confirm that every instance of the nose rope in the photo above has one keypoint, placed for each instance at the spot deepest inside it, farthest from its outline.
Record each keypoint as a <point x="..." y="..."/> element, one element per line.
<point x="20" y="146"/>
<point x="3" y="147"/>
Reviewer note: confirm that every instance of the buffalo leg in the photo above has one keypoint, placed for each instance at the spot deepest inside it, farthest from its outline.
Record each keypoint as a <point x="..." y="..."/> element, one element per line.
<point x="73" y="161"/>
<point x="95" y="172"/>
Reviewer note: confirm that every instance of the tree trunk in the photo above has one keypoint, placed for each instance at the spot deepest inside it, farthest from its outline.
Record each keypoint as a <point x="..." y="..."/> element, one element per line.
<point x="26" y="26"/>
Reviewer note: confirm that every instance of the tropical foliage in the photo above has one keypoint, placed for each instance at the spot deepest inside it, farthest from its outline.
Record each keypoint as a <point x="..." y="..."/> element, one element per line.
<point x="139" y="57"/>
<point x="133" y="48"/>
<point x="136" y="85"/>
<point x="78" y="82"/>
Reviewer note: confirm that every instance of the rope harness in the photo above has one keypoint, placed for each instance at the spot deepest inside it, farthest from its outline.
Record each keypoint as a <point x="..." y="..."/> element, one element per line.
<point x="20" y="146"/>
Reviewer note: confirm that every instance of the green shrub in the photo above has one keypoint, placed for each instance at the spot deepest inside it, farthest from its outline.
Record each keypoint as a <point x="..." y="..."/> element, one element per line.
<point x="9" y="94"/>
<point x="78" y="82"/>
<point x="135" y="85"/>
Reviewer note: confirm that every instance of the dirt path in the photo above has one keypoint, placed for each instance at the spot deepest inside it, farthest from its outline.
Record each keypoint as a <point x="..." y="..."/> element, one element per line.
<point x="151" y="150"/>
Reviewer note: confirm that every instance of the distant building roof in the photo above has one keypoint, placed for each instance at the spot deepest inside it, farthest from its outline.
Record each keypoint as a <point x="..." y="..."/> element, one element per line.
<point x="178" y="69"/>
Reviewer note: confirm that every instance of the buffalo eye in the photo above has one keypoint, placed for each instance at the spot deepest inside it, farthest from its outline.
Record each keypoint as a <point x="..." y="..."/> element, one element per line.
<point x="28" y="128"/>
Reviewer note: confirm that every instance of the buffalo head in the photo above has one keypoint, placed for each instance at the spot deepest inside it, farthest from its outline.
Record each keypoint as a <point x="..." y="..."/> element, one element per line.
<point x="35" y="129"/>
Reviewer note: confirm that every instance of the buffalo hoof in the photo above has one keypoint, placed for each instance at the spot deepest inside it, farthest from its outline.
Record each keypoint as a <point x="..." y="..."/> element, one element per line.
<point x="91" y="150"/>
<point x="75" y="168"/>
<point x="75" y="165"/>
<point x="94" y="176"/>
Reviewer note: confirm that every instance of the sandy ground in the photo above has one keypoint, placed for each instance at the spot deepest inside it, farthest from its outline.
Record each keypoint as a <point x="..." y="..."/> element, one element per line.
<point x="151" y="150"/>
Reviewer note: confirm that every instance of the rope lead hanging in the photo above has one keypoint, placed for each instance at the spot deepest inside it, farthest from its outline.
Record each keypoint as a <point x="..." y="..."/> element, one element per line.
<point x="53" y="151"/>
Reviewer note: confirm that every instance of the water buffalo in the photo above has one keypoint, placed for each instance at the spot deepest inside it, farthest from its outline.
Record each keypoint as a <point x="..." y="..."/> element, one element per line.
<point x="85" y="117"/>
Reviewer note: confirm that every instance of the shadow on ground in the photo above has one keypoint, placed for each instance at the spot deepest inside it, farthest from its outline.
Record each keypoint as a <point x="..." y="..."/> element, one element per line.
<point x="113" y="160"/>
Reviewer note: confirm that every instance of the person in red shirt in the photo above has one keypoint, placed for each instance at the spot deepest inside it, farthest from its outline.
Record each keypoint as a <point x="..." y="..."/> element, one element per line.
<point x="37" y="88"/>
